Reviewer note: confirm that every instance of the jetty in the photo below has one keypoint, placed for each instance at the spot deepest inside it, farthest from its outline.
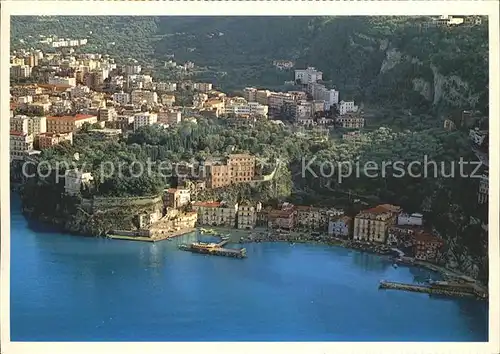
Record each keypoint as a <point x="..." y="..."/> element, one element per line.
<point x="436" y="288"/>
<point x="215" y="249"/>
<point x="144" y="236"/>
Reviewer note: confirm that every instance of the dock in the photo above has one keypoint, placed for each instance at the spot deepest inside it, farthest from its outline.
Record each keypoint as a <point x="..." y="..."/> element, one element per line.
<point x="159" y="237"/>
<point x="215" y="249"/>
<point x="437" y="288"/>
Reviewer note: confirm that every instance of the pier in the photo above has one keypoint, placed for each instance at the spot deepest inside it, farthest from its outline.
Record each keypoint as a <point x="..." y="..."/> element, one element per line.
<point x="437" y="288"/>
<point x="215" y="249"/>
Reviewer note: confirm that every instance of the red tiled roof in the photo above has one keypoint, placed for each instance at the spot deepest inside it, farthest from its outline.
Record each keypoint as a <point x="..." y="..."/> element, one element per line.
<point x="207" y="204"/>
<point x="427" y="237"/>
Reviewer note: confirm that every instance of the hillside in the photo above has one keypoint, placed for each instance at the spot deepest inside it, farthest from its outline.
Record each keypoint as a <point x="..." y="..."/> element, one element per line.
<point x="393" y="60"/>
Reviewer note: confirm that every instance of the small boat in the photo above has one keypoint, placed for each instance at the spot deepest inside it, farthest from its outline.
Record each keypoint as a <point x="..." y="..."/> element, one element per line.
<point x="394" y="265"/>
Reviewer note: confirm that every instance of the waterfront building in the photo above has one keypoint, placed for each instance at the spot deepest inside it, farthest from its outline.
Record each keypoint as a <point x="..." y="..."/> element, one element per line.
<point x="372" y="224"/>
<point x="67" y="124"/>
<point x="74" y="180"/>
<point x="340" y="227"/>
<point x="427" y="246"/>
<point x="247" y="216"/>
<point x="216" y="213"/>
<point x="177" y="197"/>
<point x="310" y="218"/>
<point x="47" y="140"/>
<point x="284" y="218"/>
<point x="401" y="236"/>
<point x="148" y="219"/>
<point x="20" y="144"/>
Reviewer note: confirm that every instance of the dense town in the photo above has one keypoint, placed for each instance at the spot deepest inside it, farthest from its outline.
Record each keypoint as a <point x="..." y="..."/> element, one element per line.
<point x="56" y="95"/>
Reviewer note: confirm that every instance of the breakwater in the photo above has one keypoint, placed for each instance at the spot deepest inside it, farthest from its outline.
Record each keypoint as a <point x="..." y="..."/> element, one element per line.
<point x="447" y="290"/>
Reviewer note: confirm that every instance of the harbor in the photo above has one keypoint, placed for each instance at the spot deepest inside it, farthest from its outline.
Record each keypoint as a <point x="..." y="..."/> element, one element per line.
<point x="215" y="249"/>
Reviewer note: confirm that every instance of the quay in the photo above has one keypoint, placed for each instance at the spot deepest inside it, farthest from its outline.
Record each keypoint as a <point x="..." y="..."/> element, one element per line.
<point x="435" y="288"/>
<point x="215" y="249"/>
<point x="131" y="236"/>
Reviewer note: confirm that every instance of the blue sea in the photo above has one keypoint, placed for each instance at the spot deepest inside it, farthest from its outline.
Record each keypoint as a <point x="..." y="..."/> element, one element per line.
<point x="73" y="288"/>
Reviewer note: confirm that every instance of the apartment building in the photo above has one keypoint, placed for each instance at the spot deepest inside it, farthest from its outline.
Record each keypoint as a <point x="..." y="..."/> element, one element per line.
<point x="284" y="218"/>
<point x="321" y="93"/>
<point x="107" y="114"/>
<point x="20" y="71"/>
<point x="166" y="86"/>
<point x="47" y="140"/>
<point x="67" y="124"/>
<point x="58" y="80"/>
<point x="167" y="100"/>
<point x="29" y="125"/>
<point x="144" y="118"/>
<point x="347" y="107"/>
<point x="372" y="225"/>
<point x="20" y="144"/>
<point x="122" y="98"/>
<point x="216" y="213"/>
<point x="310" y="218"/>
<point x="170" y="117"/>
<point x="341" y="227"/>
<point x="350" y="121"/>
<point x="246" y="108"/>
<point x="309" y="75"/>
<point x="247" y="216"/>
<point x="202" y="86"/>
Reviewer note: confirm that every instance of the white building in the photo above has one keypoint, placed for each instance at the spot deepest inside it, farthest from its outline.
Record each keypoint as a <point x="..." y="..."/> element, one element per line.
<point x="132" y="69"/>
<point x="20" y="144"/>
<point x="414" y="219"/>
<point x="321" y="93"/>
<point x="309" y="75"/>
<point x="144" y="118"/>
<point x="74" y="180"/>
<point x="249" y="108"/>
<point x="347" y="107"/>
<point x="166" y="86"/>
<point x="122" y="98"/>
<point x="28" y="125"/>
<point x="202" y="86"/>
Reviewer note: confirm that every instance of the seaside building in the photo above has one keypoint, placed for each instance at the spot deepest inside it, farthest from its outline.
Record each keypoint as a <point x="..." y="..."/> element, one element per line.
<point x="427" y="246"/>
<point x="415" y="219"/>
<point x="237" y="168"/>
<point x="148" y="219"/>
<point x="340" y="227"/>
<point x="177" y="197"/>
<point x="284" y="218"/>
<point x="216" y="213"/>
<point x="310" y="218"/>
<point x="247" y="216"/>
<point x="401" y="236"/>
<point x="372" y="225"/>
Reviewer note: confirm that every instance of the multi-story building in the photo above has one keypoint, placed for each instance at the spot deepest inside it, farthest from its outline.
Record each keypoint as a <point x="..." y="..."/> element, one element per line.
<point x="310" y="218"/>
<point x="177" y="197"/>
<point x="202" y="86"/>
<point x="168" y="100"/>
<point x="144" y="118"/>
<point x="250" y="94"/>
<point x="482" y="196"/>
<point x="238" y="168"/>
<point x="347" y="107"/>
<point x="170" y="117"/>
<point x="67" y="124"/>
<point x="321" y="93"/>
<point x="284" y="218"/>
<point x="427" y="246"/>
<point x="341" y="227"/>
<point x="139" y="97"/>
<point x="372" y="224"/>
<point x="107" y="114"/>
<point x="29" y="125"/>
<point x="20" y="71"/>
<point x="309" y="75"/>
<point x="415" y="219"/>
<point x="351" y="121"/>
<point x="277" y="100"/>
<point x="122" y="98"/>
<point x="244" y="108"/>
<point x="132" y="69"/>
<point x="216" y="214"/>
<point x="74" y="180"/>
<point x="47" y="140"/>
<point x="166" y="86"/>
<point x="247" y="216"/>
<point x="66" y="81"/>
<point x="20" y="144"/>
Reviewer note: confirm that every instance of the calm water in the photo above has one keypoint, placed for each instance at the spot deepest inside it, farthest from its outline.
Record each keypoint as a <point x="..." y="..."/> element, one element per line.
<point x="70" y="288"/>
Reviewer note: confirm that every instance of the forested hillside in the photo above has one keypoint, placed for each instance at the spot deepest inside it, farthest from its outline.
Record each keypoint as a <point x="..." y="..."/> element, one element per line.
<point x="372" y="59"/>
